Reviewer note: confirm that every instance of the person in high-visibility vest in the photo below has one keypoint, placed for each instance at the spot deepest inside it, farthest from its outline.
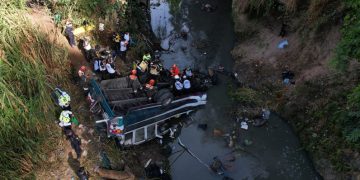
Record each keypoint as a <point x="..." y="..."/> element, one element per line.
<point x="65" y="119"/>
<point x="146" y="57"/>
<point x="62" y="99"/>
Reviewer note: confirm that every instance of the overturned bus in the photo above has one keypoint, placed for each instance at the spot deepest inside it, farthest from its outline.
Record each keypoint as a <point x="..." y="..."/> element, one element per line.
<point x="133" y="117"/>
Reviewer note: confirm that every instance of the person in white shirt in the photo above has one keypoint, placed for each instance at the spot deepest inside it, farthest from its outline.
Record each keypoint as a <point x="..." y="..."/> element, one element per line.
<point x="102" y="69"/>
<point x="123" y="49"/>
<point x="186" y="83"/>
<point x="110" y="70"/>
<point x="87" y="48"/>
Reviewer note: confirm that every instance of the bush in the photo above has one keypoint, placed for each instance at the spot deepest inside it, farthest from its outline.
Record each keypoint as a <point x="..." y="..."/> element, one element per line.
<point x="29" y="66"/>
<point x="349" y="46"/>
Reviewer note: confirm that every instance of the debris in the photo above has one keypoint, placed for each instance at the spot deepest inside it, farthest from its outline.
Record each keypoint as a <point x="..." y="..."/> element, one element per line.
<point x="217" y="166"/>
<point x="288" y="77"/>
<point x="154" y="171"/>
<point x="112" y="174"/>
<point x="101" y="26"/>
<point x="244" y="125"/>
<point x="259" y="122"/>
<point x="247" y="142"/>
<point x="265" y="114"/>
<point x="283" y="44"/>
<point x="82" y="174"/>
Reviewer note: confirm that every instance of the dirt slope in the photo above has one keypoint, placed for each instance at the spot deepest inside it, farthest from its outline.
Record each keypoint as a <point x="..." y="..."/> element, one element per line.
<point x="260" y="63"/>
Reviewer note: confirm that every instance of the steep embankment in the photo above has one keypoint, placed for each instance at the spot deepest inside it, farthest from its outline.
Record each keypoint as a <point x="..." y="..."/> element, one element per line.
<point x="30" y="66"/>
<point x="314" y="104"/>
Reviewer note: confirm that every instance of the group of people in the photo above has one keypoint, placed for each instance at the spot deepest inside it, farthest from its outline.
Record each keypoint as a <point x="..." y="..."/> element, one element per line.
<point x="182" y="82"/>
<point x="62" y="98"/>
<point x="67" y="119"/>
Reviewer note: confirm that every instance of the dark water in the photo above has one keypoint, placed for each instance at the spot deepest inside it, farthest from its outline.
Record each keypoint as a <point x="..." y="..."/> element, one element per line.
<point x="275" y="152"/>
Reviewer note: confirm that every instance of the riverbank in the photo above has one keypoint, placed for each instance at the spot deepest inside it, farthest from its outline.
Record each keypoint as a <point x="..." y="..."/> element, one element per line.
<point x="305" y="102"/>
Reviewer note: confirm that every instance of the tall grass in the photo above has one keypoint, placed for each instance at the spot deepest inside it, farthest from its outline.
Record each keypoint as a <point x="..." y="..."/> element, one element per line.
<point x="29" y="68"/>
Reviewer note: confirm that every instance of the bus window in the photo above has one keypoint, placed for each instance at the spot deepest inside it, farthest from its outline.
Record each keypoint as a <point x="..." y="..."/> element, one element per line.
<point x="139" y="135"/>
<point x="150" y="131"/>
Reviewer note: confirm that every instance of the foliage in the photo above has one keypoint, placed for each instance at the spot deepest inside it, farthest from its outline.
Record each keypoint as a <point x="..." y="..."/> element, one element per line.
<point x="29" y="64"/>
<point x="86" y="9"/>
<point x="349" y="46"/>
<point x="261" y="7"/>
<point x="245" y="96"/>
<point x="351" y="123"/>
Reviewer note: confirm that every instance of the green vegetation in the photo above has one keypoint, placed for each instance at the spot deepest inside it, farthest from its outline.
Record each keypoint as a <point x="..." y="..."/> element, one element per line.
<point x="245" y="96"/>
<point x="29" y="66"/>
<point x="349" y="47"/>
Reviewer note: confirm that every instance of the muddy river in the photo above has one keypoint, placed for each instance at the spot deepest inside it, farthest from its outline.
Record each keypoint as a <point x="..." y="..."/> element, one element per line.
<point x="274" y="152"/>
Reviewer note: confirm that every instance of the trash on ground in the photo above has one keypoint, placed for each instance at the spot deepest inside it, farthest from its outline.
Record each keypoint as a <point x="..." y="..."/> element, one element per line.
<point x="244" y="125"/>
<point x="288" y="77"/>
<point x="217" y="166"/>
<point x="283" y="44"/>
<point x="247" y="142"/>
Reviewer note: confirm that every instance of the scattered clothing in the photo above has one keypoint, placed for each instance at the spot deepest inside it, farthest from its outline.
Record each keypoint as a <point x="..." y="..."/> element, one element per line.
<point x="283" y="44"/>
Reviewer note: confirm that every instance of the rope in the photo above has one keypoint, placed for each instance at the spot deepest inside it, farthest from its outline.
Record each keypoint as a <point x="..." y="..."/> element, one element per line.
<point x="177" y="157"/>
<point x="192" y="154"/>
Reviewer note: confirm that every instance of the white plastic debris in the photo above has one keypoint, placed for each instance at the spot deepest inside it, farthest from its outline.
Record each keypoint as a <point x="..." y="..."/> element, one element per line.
<point x="244" y="125"/>
<point x="101" y="26"/>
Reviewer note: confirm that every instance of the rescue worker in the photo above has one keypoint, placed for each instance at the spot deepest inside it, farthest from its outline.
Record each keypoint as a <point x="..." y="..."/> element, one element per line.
<point x="123" y="49"/>
<point x="62" y="99"/>
<point x="132" y="75"/>
<point x="146" y="57"/>
<point x="178" y="85"/>
<point x="70" y="34"/>
<point x="81" y="71"/>
<point x="110" y="69"/>
<point x="188" y="72"/>
<point x="175" y="71"/>
<point x="186" y="84"/>
<point x="150" y="89"/>
<point x="87" y="48"/>
<point x="65" y="119"/>
<point x="102" y="69"/>
<point x="150" y="85"/>
<point x="83" y="78"/>
<point x="133" y="81"/>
